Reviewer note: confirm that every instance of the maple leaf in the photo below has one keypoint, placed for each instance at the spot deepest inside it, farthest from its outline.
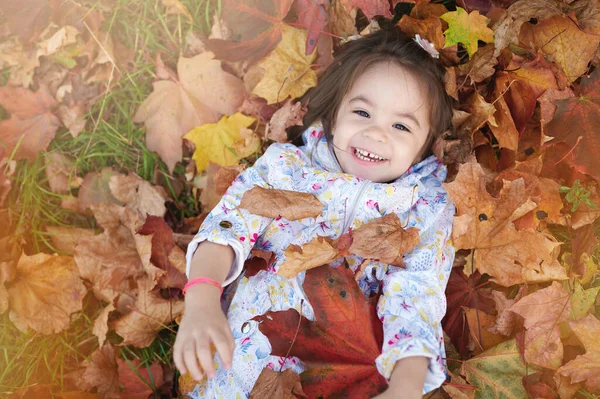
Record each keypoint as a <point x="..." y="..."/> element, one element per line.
<point x="224" y="142"/>
<point x="371" y="8"/>
<point x="271" y="384"/>
<point x="340" y="347"/>
<point x="429" y="28"/>
<point x="271" y="203"/>
<point x="149" y="315"/>
<point x="467" y="28"/>
<point x="100" y="327"/>
<point x="102" y="372"/>
<point x="480" y="66"/>
<point x="384" y="239"/>
<point x="138" y="381"/>
<point x="114" y="259"/>
<point x="32" y="124"/>
<point x="542" y="311"/>
<point x="138" y="194"/>
<point x="576" y="122"/>
<point x="313" y="16"/>
<point x="463" y="291"/>
<point x="498" y="372"/>
<point x="256" y="29"/>
<point x="585" y="368"/>
<point x="341" y="19"/>
<point x="485" y="224"/>
<point x="65" y="239"/>
<point x="44" y="293"/>
<point x="564" y="42"/>
<point x="288" y="70"/>
<point x="505" y="320"/>
<point x="163" y="246"/>
<point x="203" y="93"/>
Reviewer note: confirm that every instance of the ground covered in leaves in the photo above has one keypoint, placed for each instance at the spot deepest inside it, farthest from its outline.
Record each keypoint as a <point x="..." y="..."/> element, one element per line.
<point x="123" y="122"/>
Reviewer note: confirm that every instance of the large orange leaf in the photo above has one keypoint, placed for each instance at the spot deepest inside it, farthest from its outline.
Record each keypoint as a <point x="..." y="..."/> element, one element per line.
<point x="32" y="124"/>
<point x="256" y="29"/>
<point x="340" y="347"/>
<point x="577" y="122"/>
<point x="485" y="224"/>
<point x="45" y="292"/>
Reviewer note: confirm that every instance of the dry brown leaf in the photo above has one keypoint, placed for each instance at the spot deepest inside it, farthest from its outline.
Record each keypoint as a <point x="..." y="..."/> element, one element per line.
<point x="100" y="327"/>
<point x="384" y="239"/>
<point x="20" y="62"/>
<point x="32" y="124"/>
<point x="480" y="66"/>
<point x="65" y="239"/>
<point x="319" y="251"/>
<point x="45" y="292"/>
<point x="61" y="172"/>
<point x="102" y="372"/>
<point x="585" y="368"/>
<point x="7" y="274"/>
<point x="138" y="194"/>
<point x="139" y="381"/>
<point x="150" y="314"/>
<point x="271" y="203"/>
<point x="272" y="384"/>
<point x="215" y="182"/>
<point x="428" y="28"/>
<point x="505" y="320"/>
<point x="481" y="337"/>
<point x="288" y="115"/>
<point x="204" y="92"/>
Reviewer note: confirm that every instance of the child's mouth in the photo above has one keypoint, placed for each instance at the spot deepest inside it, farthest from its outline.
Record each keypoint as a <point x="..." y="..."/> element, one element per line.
<point x="366" y="156"/>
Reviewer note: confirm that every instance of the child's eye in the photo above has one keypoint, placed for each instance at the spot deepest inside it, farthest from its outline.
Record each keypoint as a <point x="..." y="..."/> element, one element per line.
<point x="362" y="113"/>
<point x="400" y="126"/>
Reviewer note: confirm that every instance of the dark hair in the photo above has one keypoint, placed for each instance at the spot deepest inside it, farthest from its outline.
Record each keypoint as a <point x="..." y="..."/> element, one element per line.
<point x="356" y="56"/>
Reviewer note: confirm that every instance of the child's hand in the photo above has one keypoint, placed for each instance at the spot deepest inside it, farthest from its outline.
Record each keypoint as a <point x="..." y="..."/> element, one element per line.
<point x="202" y="326"/>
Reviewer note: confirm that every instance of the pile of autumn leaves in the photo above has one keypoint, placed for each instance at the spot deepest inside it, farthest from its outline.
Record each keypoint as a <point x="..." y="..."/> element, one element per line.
<point x="526" y="108"/>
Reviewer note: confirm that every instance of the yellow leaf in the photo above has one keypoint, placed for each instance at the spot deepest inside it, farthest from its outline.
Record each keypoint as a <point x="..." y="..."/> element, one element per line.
<point x="582" y="300"/>
<point x="288" y="70"/>
<point x="224" y="142"/>
<point x="467" y="29"/>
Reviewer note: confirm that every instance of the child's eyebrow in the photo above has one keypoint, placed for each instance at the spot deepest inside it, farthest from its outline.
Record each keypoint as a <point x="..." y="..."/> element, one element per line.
<point x="408" y="115"/>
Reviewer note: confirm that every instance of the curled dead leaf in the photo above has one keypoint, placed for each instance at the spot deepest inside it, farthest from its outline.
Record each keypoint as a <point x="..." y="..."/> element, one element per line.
<point x="290" y="205"/>
<point x="320" y="251"/>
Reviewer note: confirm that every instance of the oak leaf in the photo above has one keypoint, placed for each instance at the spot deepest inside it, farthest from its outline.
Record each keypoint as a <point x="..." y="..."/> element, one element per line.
<point x="498" y="372"/>
<point x="340" y="347"/>
<point x="467" y="28"/>
<point x="576" y="122"/>
<point x="383" y="239"/>
<point x="585" y="368"/>
<point x="288" y="71"/>
<point x="45" y="292"/>
<point x="150" y="314"/>
<point x="204" y="92"/>
<point x="256" y="29"/>
<point x="485" y="223"/>
<point x="32" y="124"/>
<point x="224" y="142"/>
<point x="271" y="203"/>
<point x="272" y="384"/>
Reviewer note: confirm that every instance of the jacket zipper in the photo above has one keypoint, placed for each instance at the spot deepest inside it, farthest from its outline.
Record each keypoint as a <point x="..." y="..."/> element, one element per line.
<point x="350" y="216"/>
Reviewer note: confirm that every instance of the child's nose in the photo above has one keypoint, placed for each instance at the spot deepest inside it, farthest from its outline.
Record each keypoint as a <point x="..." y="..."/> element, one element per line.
<point x="376" y="133"/>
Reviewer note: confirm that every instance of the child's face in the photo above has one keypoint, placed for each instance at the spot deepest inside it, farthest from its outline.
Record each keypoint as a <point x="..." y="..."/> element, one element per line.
<point x="385" y="113"/>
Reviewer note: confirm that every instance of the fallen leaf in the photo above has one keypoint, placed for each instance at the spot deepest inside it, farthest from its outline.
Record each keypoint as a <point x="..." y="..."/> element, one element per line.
<point x="480" y="66"/>
<point x="429" y="28"/>
<point x="215" y="142"/>
<point x="582" y="300"/>
<point x="484" y="223"/>
<point x="139" y="381"/>
<point x="288" y="115"/>
<point x="32" y="124"/>
<point x="467" y="28"/>
<point x="175" y="7"/>
<point x="313" y="17"/>
<point x="138" y="194"/>
<point x="203" y="93"/>
<point x="383" y="239"/>
<point x="7" y="274"/>
<point x="288" y="71"/>
<point x="215" y="184"/>
<point x="65" y="239"/>
<point x="19" y="61"/>
<point x="94" y="190"/>
<point x="497" y="372"/>
<point x="319" y="251"/>
<point x="585" y="368"/>
<point x="370" y="8"/>
<point x="26" y="18"/>
<point x="272" y="384"/>
<point x="102" y="372"/>
<point x="100" y="328"/>
<point x="346" y="332"/>
<point x="505" y="320"/>
<point x="45" y="292"/>
<point x="150" y="314"/>
<point x="256" y="28"/>
<point x="61" y="173"/>
<point x="63" y="37"/>
<point x="272" y="203"/>
<point x="483" y="339"/>
<point x="341" y="20"/>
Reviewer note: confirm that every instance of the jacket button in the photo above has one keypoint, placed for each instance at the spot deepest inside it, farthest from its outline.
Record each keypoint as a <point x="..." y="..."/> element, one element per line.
<point x="225" y="224"/>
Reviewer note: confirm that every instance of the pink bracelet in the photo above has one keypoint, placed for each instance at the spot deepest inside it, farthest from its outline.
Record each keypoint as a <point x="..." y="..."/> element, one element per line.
<point x="206" y="280"/>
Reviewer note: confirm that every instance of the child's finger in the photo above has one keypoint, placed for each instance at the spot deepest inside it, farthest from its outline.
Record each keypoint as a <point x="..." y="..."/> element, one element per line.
<point x="191" y="362"/>
<point x="205" y="358"/>
<point x="223" y="348"/>
<point x="178" y="359"/>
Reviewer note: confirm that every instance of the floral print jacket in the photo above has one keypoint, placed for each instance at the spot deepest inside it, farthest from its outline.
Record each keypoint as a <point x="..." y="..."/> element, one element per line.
<point x="412" y="303"/>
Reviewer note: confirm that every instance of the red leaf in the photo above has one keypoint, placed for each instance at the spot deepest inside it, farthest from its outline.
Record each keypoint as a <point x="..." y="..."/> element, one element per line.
<point x="463" y="291"/>
<point x="340" y="348"/>
<point x="313" y="17"/>
<point x="138" y="380"/>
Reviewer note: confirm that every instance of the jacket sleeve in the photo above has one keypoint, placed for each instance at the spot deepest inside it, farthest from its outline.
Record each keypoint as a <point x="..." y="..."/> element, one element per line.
<point x="413" y="302"/>
<point x="226" y="224"/>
